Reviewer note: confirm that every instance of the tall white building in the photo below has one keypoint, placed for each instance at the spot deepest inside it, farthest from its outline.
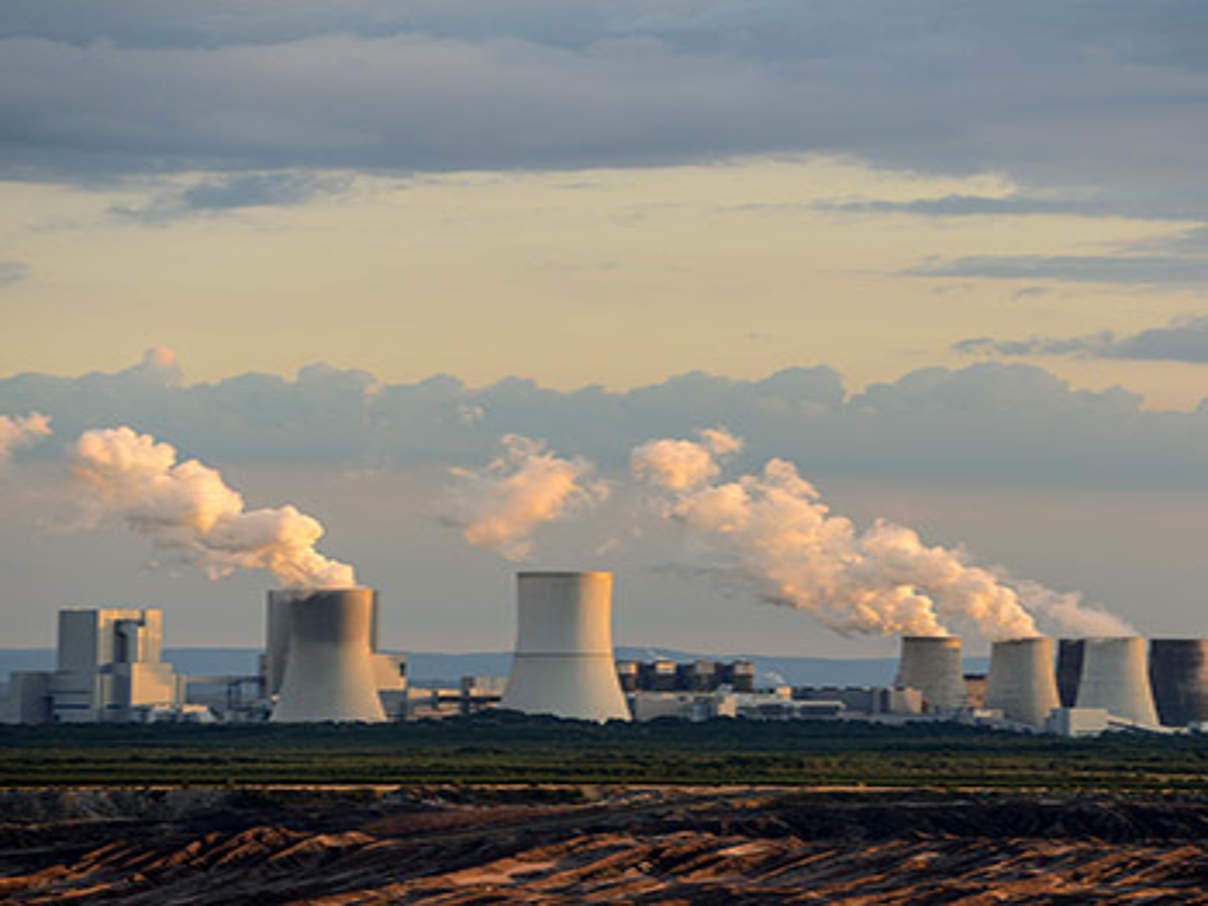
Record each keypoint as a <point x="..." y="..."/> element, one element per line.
<point x="108" y="670"/>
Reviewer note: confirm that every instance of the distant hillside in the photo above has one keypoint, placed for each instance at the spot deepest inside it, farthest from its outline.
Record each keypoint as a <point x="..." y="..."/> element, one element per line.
<point x="435" y="667"/>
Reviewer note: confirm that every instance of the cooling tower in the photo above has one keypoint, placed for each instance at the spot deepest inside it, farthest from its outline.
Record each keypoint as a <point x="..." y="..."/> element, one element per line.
<point x="329" y="671"/>
<point x="1069" y="670"/>
<point x="932" y="664"/>
<point x="564" y="661"/>
<point x="1115" y="677"/>
<point x="1178" y="675"/>
<point x="276" y="638"/>
<point x="1021" y="681"/>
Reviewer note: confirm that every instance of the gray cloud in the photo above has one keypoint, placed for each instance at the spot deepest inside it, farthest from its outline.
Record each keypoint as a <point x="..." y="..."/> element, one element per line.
<point x="991" y="421"/>
<point x="1102" y="204"/>
<point x="1090" y="94"/>
<point x="240" y="190"/>
<point x="1183" y="340"/>
<point x="13" y="272"/>
<point x="1131" y="269"/>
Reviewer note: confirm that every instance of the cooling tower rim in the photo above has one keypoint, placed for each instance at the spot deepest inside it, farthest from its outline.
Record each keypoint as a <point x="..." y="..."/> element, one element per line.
<point x="335" y="589"/>
<point x="1181" y="639"/>
<point x="917" y="639"/>
<point x="1105" y="638"/>
<point x="561" y="574"/>
<point x="1023" y="640"/>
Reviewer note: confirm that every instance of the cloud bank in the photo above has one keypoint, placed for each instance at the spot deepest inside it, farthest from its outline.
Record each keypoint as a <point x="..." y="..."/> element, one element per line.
<point x="1182" y="340"/>
<point x="21" y="431"/>
<point x="1110" y="93"/>
<point x="989" y="421"/>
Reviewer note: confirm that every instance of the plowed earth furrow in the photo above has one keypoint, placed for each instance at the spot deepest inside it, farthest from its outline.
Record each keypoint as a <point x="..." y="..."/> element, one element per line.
<point x="685" y="848"/>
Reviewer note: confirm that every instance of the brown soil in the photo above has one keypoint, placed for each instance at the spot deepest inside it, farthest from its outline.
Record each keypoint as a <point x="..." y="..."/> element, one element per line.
<point x="651" y="846"/>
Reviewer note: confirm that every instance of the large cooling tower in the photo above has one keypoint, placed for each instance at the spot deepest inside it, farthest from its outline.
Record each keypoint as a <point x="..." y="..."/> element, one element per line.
<point x="276" y="637"/>
<point x="564" y="659"/>
<point x="1069" y="670"/>
<point x="1021" y="681"/>
<point x="1115" y="677"/>
<point x="1178" y="675"/>
<point x="329" y="671"/>
<point x="932" y="664"/>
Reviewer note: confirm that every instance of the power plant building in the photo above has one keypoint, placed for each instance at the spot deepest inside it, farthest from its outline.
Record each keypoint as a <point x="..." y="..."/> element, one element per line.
<point x="563" y="663"/>
<point x="108" y="669"/>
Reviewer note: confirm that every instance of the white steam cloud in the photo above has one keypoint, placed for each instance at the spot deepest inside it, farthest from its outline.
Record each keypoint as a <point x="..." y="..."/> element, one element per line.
<point x="679" y="465"/>
<point x="500" y="505"/>
<point x="1067" y="610"/>
<point x="186" y="508"/>
<point x="883" y="580"/>
<point x="21" y="431"/>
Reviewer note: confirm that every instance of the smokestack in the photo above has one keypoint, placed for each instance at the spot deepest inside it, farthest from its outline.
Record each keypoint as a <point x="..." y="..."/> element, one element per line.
<point x="1021" y="680"/>
<point x="564" y="660"/>
<point x="1115" y="677"/>
<point x="932" y="664"/>
<point x="1069" y="670"/>
<point x="328" y="672"/>
<point x="1178" y="674"/>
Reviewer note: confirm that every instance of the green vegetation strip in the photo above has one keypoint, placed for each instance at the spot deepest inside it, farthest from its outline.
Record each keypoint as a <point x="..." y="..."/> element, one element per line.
<point x="504" y="748"/>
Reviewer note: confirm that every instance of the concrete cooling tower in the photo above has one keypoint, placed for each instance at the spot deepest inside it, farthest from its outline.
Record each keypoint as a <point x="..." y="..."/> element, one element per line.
<point x="329" y="669"/>
<point x="1115" y="677"/>
<point x="1021" y="681"/>
<point x="1069" y="670"/>
<point x="1178" y="675"/>
<point x="932" y="664"/>
<point x="564" y="660"/>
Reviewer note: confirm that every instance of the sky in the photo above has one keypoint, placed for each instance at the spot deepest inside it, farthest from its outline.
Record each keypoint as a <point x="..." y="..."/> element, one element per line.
<point x="947" y="258"/>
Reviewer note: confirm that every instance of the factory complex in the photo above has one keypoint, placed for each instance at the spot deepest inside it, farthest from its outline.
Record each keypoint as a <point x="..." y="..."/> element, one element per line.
<point x="321" y="663"/>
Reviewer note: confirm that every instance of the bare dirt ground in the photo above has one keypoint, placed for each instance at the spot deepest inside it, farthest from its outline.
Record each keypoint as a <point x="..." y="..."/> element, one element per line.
<point x="599" y="845"/>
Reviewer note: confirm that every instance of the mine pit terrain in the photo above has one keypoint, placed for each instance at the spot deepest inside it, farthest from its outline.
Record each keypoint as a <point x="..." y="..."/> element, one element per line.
<point x="585" y="845"/>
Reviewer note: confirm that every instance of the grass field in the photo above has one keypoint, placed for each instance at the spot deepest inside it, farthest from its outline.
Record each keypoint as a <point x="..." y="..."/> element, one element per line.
<point x="510" y="749"/>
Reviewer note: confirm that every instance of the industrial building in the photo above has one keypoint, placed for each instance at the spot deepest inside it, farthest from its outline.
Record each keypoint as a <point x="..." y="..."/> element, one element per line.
<point x="665" y="675"/>
<point x="321" y="663"/>
<point x="108" y="670"/>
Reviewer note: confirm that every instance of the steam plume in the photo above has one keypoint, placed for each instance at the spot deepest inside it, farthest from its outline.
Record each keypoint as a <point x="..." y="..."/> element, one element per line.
<point x="1068" y="611"/>
<point x="186" y="507"/>
<point x="499" y="505"/>
<point x="21" y="431"/>
<point x="884" y="580"/>
<point x="682" y="464"/>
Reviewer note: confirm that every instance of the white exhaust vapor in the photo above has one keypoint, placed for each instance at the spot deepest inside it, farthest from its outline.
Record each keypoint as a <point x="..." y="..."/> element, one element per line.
<point x="21" y="431"/>
<point x="186" y="508"/>
<point x="500" y="505"/>
<point x="882" y="580"/>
